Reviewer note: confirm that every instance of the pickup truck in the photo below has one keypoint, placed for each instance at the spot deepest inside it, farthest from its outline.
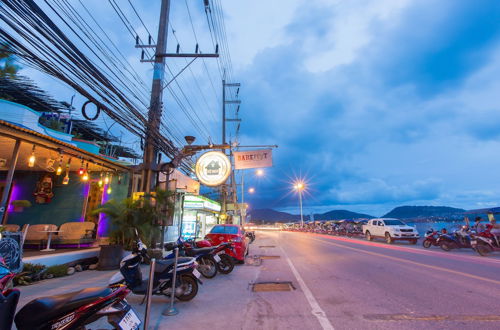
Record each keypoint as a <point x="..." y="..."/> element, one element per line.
<point x="390" y="230"/>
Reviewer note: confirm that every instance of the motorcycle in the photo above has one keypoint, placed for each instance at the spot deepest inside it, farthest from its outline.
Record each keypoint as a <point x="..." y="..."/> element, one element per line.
<point x="73" y="310"/>
<point x="431" y="238"/>
<point x="187" y="279"/>
<point x="459" y="239"/>
<point x="485" y="242"/>
<point x="225" y="263"/>
<point x="207" y="263"/>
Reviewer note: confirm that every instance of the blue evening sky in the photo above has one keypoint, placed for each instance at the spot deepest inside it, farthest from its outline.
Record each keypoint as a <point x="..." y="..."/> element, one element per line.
<point x="374" y="103"/>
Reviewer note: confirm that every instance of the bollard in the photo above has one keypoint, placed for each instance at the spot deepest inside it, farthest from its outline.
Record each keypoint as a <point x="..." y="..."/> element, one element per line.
<point x="172" y="310"/>
<point x="149" y="292"/>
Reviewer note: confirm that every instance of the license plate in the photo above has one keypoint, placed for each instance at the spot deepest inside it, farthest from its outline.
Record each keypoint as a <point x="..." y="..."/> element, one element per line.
<point x="473" y="242"/>
<point x="130" y="321"/>
<point x="217" y="258"/>
<point x="196" y="273"/>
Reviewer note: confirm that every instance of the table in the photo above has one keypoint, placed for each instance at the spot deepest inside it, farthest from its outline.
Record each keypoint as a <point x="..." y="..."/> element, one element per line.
<point x="48" y="249"/>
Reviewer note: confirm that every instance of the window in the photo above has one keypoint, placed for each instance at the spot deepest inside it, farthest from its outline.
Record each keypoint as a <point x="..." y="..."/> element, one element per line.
<point x="224" y="230"/>
<point x="394" y="222"/>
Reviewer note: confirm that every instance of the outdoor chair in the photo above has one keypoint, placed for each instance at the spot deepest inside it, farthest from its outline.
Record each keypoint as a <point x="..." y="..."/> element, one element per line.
<point x="36" y="236"/>
<point x="75" y="233"/>
<point x="11" y="228"/>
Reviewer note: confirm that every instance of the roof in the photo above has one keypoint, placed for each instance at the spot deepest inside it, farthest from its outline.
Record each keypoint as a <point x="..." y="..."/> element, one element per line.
<point x="10" y="132"/>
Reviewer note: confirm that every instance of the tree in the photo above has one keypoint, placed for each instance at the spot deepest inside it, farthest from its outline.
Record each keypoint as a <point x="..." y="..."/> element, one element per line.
<point x="7" y="66"/>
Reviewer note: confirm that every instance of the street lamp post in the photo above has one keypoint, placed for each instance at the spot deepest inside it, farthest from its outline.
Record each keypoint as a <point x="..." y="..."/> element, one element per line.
<point x="300" y="186"/>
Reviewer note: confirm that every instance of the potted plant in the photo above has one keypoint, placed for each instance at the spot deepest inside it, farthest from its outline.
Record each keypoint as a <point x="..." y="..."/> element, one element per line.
<point x="126" y="216"/>
<point x="19" y="205"/>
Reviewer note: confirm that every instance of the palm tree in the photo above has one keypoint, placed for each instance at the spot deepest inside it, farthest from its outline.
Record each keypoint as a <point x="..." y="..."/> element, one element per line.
<point x="7" y="66"/>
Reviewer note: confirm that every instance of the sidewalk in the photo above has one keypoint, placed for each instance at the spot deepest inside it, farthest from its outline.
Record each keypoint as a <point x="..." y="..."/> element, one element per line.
<point x="225" y="301"/>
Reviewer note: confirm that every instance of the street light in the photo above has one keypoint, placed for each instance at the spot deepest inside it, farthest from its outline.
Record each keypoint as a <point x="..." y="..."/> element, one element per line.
<point x="300" y="186"/>
<point x="251" y="190"/>
<point x="259" y="172"/>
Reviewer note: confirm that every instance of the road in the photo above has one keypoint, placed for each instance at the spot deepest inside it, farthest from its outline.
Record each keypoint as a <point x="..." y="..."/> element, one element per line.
<point x="339" y="283"/>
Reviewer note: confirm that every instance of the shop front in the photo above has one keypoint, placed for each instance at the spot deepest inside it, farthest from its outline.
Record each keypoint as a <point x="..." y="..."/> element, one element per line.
<point x="200" y="214"/>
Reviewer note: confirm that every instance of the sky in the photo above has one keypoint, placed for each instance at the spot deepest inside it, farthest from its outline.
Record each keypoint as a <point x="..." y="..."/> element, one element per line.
<point x="374" y="104"/>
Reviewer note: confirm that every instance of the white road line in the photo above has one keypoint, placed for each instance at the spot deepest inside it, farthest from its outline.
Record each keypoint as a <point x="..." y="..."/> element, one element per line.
<point x="316" y="309"/>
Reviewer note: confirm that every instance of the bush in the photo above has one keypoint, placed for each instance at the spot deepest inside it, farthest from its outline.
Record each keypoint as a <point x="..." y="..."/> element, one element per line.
<point x="57" y="270"/>
<point x="32" y="268"/>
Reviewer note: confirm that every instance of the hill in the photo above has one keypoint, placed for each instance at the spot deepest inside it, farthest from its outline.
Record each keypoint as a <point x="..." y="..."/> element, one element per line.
<point x="416" y="212"/>
<point x="270" y="215"/>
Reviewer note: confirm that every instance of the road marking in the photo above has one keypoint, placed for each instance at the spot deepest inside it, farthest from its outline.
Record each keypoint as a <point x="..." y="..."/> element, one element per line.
<point x="409" y="317"/>
<point x="412" y="262"/>
<point x="316" y="309"/>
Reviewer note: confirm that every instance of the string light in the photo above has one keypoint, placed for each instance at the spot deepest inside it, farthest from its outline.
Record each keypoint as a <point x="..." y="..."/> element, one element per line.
<point x="59" y="168"/>
<point x="100" y="180"/>
<point x="31" y="160"/>
<point x="66" y="177"/>
<point x="106" y="179"/>
<point x="85" y="176"/>
<point x="109" y="190"/>
<point x="81" y="171"/>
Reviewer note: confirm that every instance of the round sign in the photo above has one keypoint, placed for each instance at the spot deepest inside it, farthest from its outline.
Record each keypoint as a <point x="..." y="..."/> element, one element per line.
<point x="213" y="168"/>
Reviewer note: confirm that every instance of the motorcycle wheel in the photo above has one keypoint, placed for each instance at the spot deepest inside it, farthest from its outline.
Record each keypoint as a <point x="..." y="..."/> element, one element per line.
<point x="447" y="246"/>
<point x="426" y="244"/>
<point x="207" y="266"/>
<point x="226" y="264"/>
<point x="483" y="249"/>
<point x="189" y="287"/>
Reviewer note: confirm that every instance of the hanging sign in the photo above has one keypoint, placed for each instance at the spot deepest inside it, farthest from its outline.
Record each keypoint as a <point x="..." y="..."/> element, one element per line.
<point x="213" y="168"/>
<point x="253" y="159"/>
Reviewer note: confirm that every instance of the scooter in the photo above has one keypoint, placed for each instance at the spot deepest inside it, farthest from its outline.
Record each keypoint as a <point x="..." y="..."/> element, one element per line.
<point x="485" y="242"/>
<point x="431" y="238"/>
<point x="187" y="279"/>
<point x="73" y="310"/>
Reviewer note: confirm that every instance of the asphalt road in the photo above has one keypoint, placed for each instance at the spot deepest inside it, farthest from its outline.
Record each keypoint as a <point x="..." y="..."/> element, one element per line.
<point x="339" y="284"/>
<point x="372" y="285"/>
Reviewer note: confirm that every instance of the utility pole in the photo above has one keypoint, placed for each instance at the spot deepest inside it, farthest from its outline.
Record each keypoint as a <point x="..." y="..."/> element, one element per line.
<point x="154" y="114"/>
<point x="224" y="120"/>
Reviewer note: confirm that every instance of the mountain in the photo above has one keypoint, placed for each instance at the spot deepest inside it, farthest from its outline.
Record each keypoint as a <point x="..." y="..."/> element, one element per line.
<point x="341" y="214"/>
<point x="415" y="212"/>
<point x="270" y="215"/>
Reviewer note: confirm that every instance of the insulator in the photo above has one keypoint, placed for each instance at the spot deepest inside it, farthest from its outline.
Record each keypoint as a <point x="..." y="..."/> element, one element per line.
<point x="178" y="48"/>
<point x="238" y="91"/>
<point x="217" y="49"/>
<point x="142" y="55"/>
<point x="205" y="2"/>
<point x="137" y="40"/>
<point x="149" y="39"/>
<point x="196" y="49"/>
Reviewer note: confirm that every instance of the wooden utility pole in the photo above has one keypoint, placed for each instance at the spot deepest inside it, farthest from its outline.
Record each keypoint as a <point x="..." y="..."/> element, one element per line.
<point x="155" y="105"/>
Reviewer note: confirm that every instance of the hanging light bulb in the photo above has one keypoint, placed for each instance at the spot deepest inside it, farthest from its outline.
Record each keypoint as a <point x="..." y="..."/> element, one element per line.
<point x="66" y="177"/>
<point x="31" y="160"/>
<point x="59" y="168"/>
<point x="85" y="176"/>
<point x="81" y="171"/>
<point x="106" y="179"/>
<point x="100" y="181"/>
<point x="109" y="190"/>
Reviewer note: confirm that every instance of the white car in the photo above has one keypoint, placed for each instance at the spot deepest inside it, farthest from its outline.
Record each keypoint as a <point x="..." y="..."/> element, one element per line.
<point x="391" y="230"/>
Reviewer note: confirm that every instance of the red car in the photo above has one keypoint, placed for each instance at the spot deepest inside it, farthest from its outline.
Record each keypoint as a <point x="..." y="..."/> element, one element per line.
<point x="230" y="233"/>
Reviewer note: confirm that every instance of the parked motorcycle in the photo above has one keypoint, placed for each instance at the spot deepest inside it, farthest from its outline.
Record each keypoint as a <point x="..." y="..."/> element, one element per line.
<point x="485" y="242"/>
<point x="73" y="310"/>
<point x="207" y="265"/>
<point x="431" y="238"/>
<point x="187" y="279"/>
<point x="459" y="239"/>
<point x="225" y="263"/>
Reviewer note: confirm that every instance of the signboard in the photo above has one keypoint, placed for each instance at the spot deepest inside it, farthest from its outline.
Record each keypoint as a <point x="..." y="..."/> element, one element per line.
<point x="253" y="159"/>
<point x="200" y="203"/>
<point x="213" y="168"/>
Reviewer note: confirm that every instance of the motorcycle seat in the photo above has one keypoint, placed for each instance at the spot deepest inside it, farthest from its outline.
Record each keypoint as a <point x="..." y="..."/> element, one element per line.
<point x="198" y="251"/>
<point x="37" y="312"/>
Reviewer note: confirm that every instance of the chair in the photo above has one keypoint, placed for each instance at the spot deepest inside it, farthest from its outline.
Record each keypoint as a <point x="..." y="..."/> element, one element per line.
<point x="36" y="236"/>
<point x="11" y="228"/>
<point x="75" y="233"/>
